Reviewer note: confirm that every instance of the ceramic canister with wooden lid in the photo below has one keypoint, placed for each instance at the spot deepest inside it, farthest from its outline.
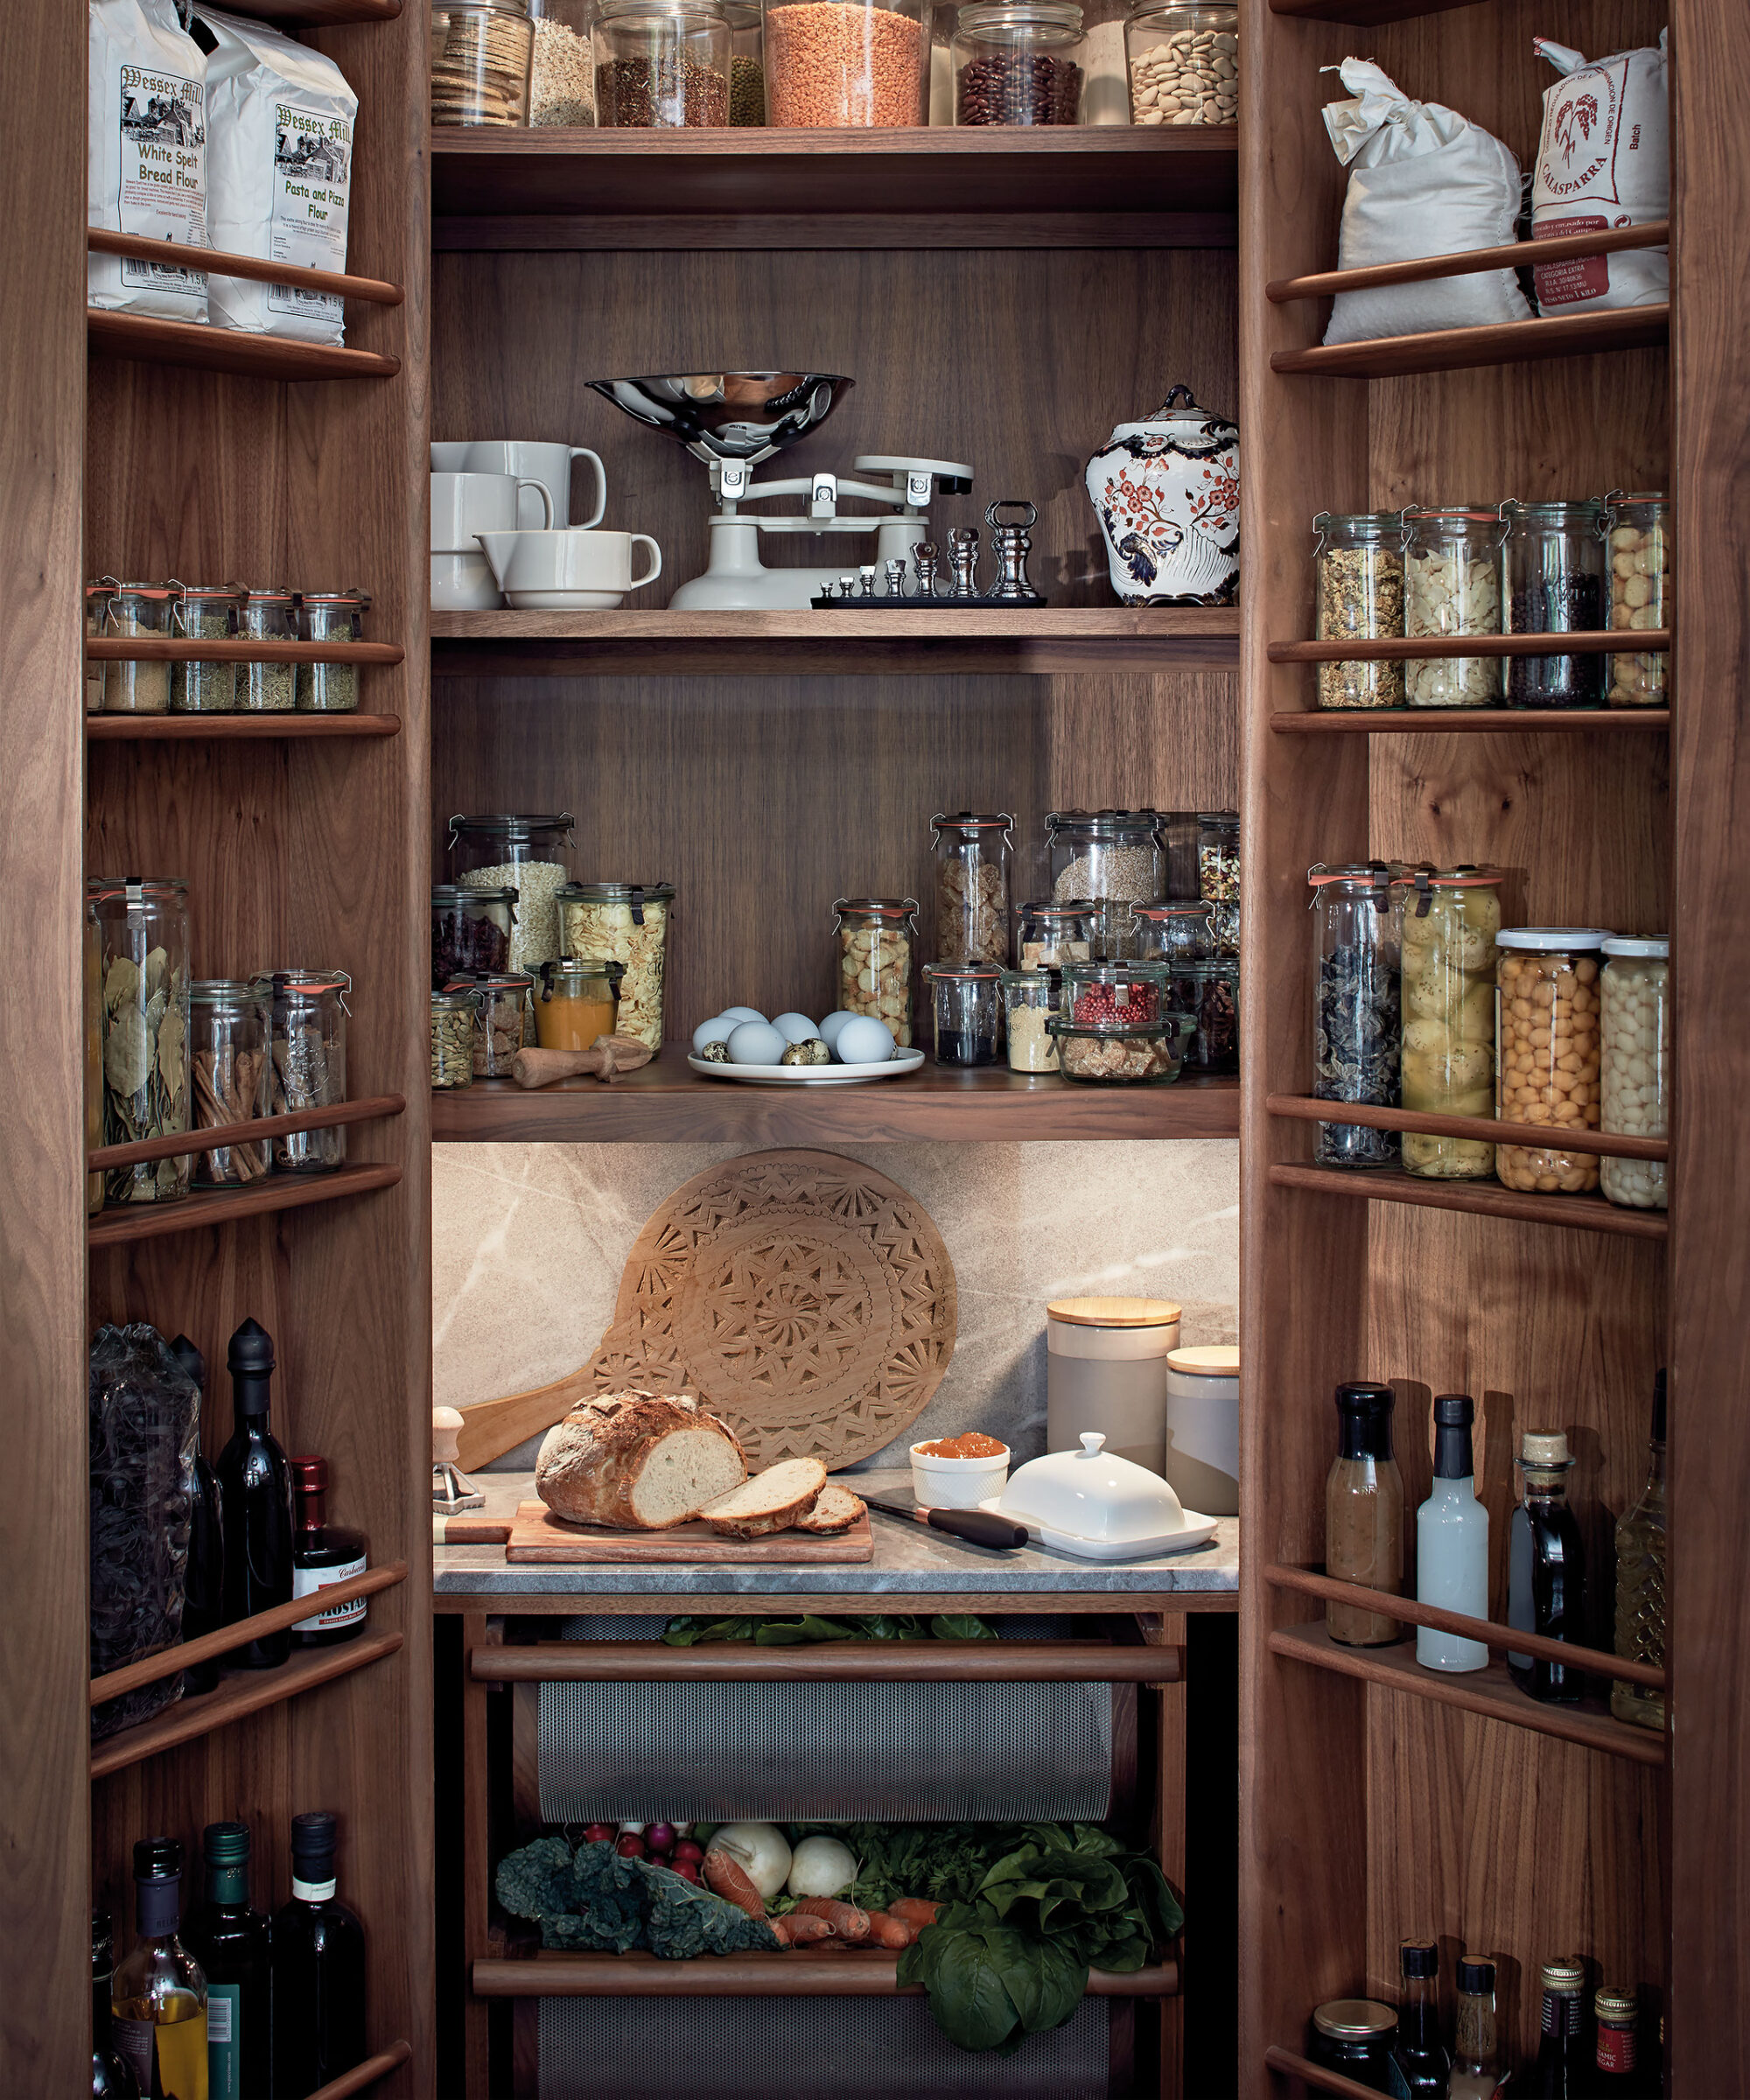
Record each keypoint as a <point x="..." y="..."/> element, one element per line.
<point x="1106" y="1370"/>
<point x="1203" y="1428"/>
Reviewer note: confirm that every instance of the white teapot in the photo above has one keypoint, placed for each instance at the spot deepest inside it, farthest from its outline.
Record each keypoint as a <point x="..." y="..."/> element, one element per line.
<point x="1166" y="492"/>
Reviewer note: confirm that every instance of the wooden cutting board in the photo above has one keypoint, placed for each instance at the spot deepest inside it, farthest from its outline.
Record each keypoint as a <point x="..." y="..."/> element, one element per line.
<point x="537" y="1535"/>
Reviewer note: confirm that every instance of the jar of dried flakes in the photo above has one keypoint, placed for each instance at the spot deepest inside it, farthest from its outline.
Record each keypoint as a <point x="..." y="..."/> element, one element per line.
<point x="628" y="923"/>
<point x="1048" y="935"/>
<point x="562" y="76"/>
<point x="268" y="688"/>
<point x="1447" y="921"/>
<point x="1642" y="587"/>
<point x="1218" y="877"/>
<point x="1030" y="997"/>
<point x="520" y="852"/>
<point x="480" y="54"/>
<point x="499" y="1021"/>
<point x="1184" y="65"/>
<point x="98" y="593"/>
<point x="1452" y="586"/>
<point x="747" y="62"/>
<point x="453" y="1012"/>
<point x="847" y="63"/>
<point x="204" y="613"/>
<point x="307" y="1042"/>
<point x="139" y="613"/>
<point x="229" y="1032"/>
<point x="1547" y="1050"/>
<point x="143" y="926"/>
<point x="1018" y="62"/>
<point x="662" y="64"/>
<point x="876" y="939"/>
<point x="1635" y="1078"/>
<point x="1106" y="853"/>
<point x="971" y="887"/>
<point x="331" y="689"/>
<point x="1358" y="567"/>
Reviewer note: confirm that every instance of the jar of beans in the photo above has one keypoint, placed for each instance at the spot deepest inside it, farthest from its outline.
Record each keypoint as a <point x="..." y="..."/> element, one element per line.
<point x="1107" y="854"/>
<point x="1553" y="575"/>
<point x="331" y="616"/>
<point x="1030" y="997"/>
<point x="1547" y="1050"/>
<point x="965" y="1001"/>
<point x="1173" y="933"/>
<point x="662" y="64"/>
<point x="1018" y="62"/>
<point x="1106" y="995"/>
<point x="1635" y="1077"/>
<point x="847" y="63"/>
<point x="1218" y="877"/>
<point x="971" y="887"/>
<point x="139" y="612"/>
<point x="746" y="62"/>
<point x="204" y="613"/>
<point x="1452" y="586"/>
<point x="1642" y="545"/>
<point x="876" y="939"/>
<point x="1358" y="562"/>
<point x="1184" y="65"/>
<point x="1048" y="935"/>
<point x="1447" y="921"/>
<point x="1208" y="994"/>
<point x="268" y="688"/>
<point x="1357" y="1034"/>
<point x="452" y="1037"/>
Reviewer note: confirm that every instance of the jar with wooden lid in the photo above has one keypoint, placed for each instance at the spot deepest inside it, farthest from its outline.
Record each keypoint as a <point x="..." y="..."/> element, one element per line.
<point x="660" y="64"/>
<point x="522" y="851"/>
<point x="1452" y="586"/>
<point x="1364" y="1516"/>
<point x="453" y="1010"/>
<point x="1548" y="1052"/>
<point x="576" y="1000"/>
<point x="331" y="689"/>
<point x="307" y="1039"/>
<point x="1634" y="1078"/>
<point x="269" y="687"/>
<point x="1642" y="548"/>
<point x="229" y="1033"/>
<point x="139" y="613"/>
<point x="876" y="936"/>
<point x="1358" y="590"/>
<point x="1447" y="921"/>
<point x="972" y="855"/>
<point x="1357" y="1037"/>
<point x="628" y="923"/>
<point x="206" y="612"/>
<point x="480" y="56"/>
<point x="142" y="931"/>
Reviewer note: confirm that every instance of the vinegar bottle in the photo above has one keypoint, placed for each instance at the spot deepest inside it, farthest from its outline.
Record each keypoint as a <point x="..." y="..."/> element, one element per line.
<point x="257" y="1491"/>
<point x="1546" y="1570"/>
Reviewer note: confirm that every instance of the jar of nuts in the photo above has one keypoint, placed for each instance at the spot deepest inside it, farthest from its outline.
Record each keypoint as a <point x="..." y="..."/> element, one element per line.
<point x="1447" y="921"/>
<point x="1635" y="1077"/>
<point x="1184" y="65"/>
<point x="1358" y="562"/>
<point x="1218" y="877"/>
<point x="499" y="1021"/>
<point x="875" y="938"/>
<point x="1048" y="935"/>
<point x="971" y="888"/>
<point x="628" y="923"/>
<point x="662" y="64"/>
<point x="452" y="1037"/>
<point x="1643" y="544"/>
<point x="848" y="63"/>
<point x="1106" y="853"/>
<point x="1547" y="1050"/>
<point x="1452" y="586"/>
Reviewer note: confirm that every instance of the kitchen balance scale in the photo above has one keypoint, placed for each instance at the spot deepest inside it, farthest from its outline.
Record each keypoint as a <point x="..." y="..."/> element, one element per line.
<point x="733" y="421"/>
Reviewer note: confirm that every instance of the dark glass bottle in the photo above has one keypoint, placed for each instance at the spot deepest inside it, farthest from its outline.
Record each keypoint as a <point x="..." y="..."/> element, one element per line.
<point x="203" y="1588"/>
<point x="319" y="1971"/>
<point x="1563" y="2067"/>
<point x="1616" y="2070"/>
<point x="257" y="1489"/>
<point x="323" y="1554"/>
<point x="110" y="2076"/>
<point x="1422" y="2058"/>
<point x="1546" y="1570"/>
<point x="230" y="1942"/>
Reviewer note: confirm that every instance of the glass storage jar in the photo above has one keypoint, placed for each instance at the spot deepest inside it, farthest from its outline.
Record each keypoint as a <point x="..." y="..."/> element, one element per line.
<point x="1358" y="570"/>
<point x="1552" y="563"/>
<point x="847" y="63"/>
<point x="747" y="62"/>
<point x="204" y="613"/>
<point x="1179" y="828"/>
<point x="1353" y="2036"/>
<point x="971" y="887"/>
<point x="1547" y="1050"/>
<point x="876" y="939"/>
<point x="1356" y="1037"/>
<point x="453" y="1010"/>
<point x="1643" y="593"/>
<point x="1030" y="997"/>
<point x="1114" y="995"/>
<point x="1171" y="933"/>
<point x="480" y="52"/>
<point x="1048" y="935"/>
<point x="1218" y="877"/>
<point x="661" y="64"/>
<point x="307" y="1015"/>
<point x="1124" y="1054"/>
<point x="139" y="613"/>
<point x="1448" y="919"/>
<point x="98" y="592"/>
<point x="470" y="929"/>
<point x="228" y="1030"/>
<point x="524" y="853"/>
<point x="1635" y="1076"/>
<point x="1209" y="994"/>
<point x="94" y="1055"/>
<point x="1106" y="853"/>
<point x="268" y="688"/>
<point x="1018" y="62"/>
<point x="576" y="1000"/>
<point x="964" y="1001"/>
<point x="628" y="923"/>
<point x="143" y="928"/>
<point x="1184" y="65"/>
<point x="562" y="78"/>
<point x="1452" y="586"/>
<point x="499" y="1021"/>
<point x="331" y="689"/>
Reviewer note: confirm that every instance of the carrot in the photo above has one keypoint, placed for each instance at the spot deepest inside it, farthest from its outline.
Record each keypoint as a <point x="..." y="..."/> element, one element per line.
<point x="847" y="1922"/>
<point x="886" y="1930"/>
<point x="724" y="1878"/>
<point x="916" y="1911"/>
<point x="796" y="1931"/>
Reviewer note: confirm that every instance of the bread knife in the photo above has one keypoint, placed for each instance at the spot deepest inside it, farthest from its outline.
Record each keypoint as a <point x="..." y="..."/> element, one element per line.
<point x="977" y="1527"/>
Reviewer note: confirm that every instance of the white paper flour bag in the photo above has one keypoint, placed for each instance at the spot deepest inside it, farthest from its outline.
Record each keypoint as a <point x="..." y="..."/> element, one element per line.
<point x="1423" y="181"/>
<point x="145" y="155"/>
<point x="279" y="173"/>
<point x="1604" y="160"/>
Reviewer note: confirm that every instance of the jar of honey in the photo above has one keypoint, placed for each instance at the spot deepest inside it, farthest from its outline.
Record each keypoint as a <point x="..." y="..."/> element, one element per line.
<point x="578" y="1000"/>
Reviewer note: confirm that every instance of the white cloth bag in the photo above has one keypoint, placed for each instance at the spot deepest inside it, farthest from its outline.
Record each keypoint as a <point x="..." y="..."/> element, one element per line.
<point x="1604" y="160"/>
<point x="1423" y="181"/>
<point x="145" y="155"/>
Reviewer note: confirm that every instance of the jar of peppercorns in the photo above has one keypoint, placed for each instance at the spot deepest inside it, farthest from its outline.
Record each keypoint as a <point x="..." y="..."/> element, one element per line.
<point x="1109" y="994"/>
<point x="1018" y="62"/>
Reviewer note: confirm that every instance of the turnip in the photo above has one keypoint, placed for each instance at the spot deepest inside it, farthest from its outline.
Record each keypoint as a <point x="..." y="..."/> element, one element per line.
<point x="760" y="1850"/>
<point x="821" y="1866"/>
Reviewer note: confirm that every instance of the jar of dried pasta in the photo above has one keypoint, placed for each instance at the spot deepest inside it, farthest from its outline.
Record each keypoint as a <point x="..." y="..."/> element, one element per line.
<point x="876" y="939"/>
<point x="1547" y="1050"/>
<point x="1452" y="586"/>
<point x="1642" y="546"/>
<point x="1358" y="568"/>
<point x="628" y="923"/>
<point x="1635" y="1079"/>
<point x="1447" y="921"/>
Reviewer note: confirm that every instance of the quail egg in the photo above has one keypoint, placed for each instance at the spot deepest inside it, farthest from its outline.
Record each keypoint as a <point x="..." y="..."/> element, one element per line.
<point x="713" y="1053"/>
<point x="863" y="1040"/>
<point x="830" y="1026"/>
<point x="719" y="1031"/>
<point x="811" y="1051"/>
<point x="796" y="1028"/>
<point x="755" y="1043"/>
<point x="741" y="1013"/>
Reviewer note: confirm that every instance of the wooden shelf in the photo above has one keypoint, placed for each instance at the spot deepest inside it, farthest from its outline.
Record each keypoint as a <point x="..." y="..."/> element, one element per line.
<point x="1489" y="1691"/>
<point x="154" y="648"/>
<point x="365" y="2075"/>
<point x="216" y="262"/>
<point x="1466" y="721"/>
<point x="830" y="1662"/>
<point x="1457" y="349"/>
<point x="1515" y="255"/>
<point x="1487" y="1198"/>
<point x="1303" y="1107"/>
<point x="183" y="729"/>
<point x="853" y="1974"/>
<point x="1589" y="641"/>
<point x="127" y="1222"/>
<point x="666" y="1103"/>
<point x="143" y="341"/>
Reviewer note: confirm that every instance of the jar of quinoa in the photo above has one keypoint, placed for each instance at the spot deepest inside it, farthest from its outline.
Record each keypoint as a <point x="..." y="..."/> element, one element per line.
<point x="1547" y="1050"/>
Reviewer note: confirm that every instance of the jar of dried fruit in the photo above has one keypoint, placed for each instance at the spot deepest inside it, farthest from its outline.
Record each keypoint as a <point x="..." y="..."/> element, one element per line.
<point x="628" y="923"/>
<point x="521" y="852"/>
<point x="1358" y="565"/>
<point x="1356" y="1037"/>
<point x="1218" y="877"/>
<point x="1447" y="921"/>
<point x="971" y="887"/>
<point x="1018" y="62"/>
<point x="142" y="928"/>
<point x="1209" y="994"/>
<point x="876" y="936"/>
<point x="1547" y="1050"/>
<point x="847" y="63"/>
<point x="470" y="929"/>
<point x="307" y="1039"/>
<point x="268" y="688"/>
<point x="331" y="616"/>
<point x="1642" y="558"/>
<point x="139" y="613"/>
<point x="661" y="64"/>
<point x="204" y="613"/>
<point x="1452" y="586"/>
<point x="228" y="1030"/>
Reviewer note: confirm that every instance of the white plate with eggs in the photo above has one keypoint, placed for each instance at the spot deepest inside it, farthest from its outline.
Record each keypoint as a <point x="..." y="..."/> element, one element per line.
<point x="752" y="1049"/>
<point x="834" y="1074"/>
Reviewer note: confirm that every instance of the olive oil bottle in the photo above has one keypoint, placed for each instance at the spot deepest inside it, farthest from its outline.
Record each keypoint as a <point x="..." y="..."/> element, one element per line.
<point x="158" y="1993"/>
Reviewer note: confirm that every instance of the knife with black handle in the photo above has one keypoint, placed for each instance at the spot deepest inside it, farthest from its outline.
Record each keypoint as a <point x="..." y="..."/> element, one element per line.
<point x="977" y="1527"/>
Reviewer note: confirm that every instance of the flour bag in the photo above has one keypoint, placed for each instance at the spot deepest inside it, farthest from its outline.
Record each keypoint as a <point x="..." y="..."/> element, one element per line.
<point x="1423" y="181"/>
<point x="1604" y="160"/>
<point x="145" y="155"/>
<point x="279" y="173"/>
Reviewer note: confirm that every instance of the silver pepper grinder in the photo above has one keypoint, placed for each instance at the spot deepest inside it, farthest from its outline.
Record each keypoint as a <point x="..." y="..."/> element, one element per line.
<point x="1011" y="544"/>
<point x="896" y="578"/>
<point x="962" y="554"/>
<point x="924" y="554"/>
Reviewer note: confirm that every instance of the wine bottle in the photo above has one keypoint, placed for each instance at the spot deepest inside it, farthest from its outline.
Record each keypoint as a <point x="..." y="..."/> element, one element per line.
<point x="203" y="1588"/>
<point x="111" y="2078"/>
<point x="230" y="1942"/>
<point x="319" y="1971"/>
<point x="158" y="1995"/>
<point x="1419" y="2055"/>
<point x="257" y="1489"/>
<point x="323" y="1554"/>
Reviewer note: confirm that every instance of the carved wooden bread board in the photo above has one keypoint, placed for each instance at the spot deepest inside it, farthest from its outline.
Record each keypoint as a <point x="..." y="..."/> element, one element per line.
<point x="537" y="1535"/>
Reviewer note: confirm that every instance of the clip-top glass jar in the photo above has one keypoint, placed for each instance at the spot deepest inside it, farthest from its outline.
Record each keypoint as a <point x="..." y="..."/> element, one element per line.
<point x="1113" y="995"/>
<point x="1184" y="65"/>
<point x="480" y="54"/>
<point x="138" y="612"/>
<point x="848" y="63"/>
<point x="1448" y="919"/>
<point x="453" y="1011"/>
<point x="499" y="1021"/>
<point x="747" y="62"/>
<point x="1358" y="564"/>
<point x="1547" y="1050"/>
<point x="1018" y="62"/>
<point x="1356" y="1039"/>
<point x="143" y="925"/>
<point x="1030" y="997"/>
<point x="576" y="1000"/>
<point x="470" y="929"/>
<point x="1635" y="1078"/>
<point x="331" y="689"/>
<point x="1106" y="853"/>
<point x="93" y="1056"/>
<point x="1209" y="993"/>
<point x="268" y="688"/>
<point x="661" y="64"/>
<point x="228" y="1027"/>
<point x="204" y="613"/>
<point x="1642" y="587"/>
<point x="307" y="1010"/>
<point x="1048" y="935"/>
<point x="1218" y="877"/>
<point x="524" y="853"/>
<point x="971" y="887"/>
<point x="1552" y="563"/>
<point x="628" y="923"/>
<point x="1452" y="586"/>
<point x="876" y="936"/>
<point x="98" y="592"/>
<point x="1173" y="933"/>
<point x="964" y="1001"/>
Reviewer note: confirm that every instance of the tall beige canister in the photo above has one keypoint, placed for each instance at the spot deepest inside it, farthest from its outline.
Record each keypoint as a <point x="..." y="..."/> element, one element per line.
<point x="1106" y="1369"/>
<point x="1203" y="1429"/>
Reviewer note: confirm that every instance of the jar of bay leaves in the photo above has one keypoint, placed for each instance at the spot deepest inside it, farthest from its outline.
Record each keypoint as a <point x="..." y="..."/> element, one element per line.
<point x="268" y="688"/>
<point x="1447" y="921"/>
<point x="1356" y="1035"/>
<point x="204" y="613"/>
<point x="1358" y="563"/>
<point x="142" y="931"/>
<point x="308" y="1015"/>
<point x="331" y="616"/>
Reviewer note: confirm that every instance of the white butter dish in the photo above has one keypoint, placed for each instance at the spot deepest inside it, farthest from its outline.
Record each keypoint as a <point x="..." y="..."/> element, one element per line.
<point x="1097" y="1506"/>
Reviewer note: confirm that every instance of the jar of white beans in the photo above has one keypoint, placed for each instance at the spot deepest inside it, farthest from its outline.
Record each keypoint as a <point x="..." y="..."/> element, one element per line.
<point x="1547" y="1050"/>
<point x="1635" y="999"/>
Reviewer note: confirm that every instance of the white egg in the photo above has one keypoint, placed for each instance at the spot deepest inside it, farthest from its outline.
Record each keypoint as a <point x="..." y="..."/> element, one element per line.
<point x="862" y="1041"/>
<point x="742" y="1013"/>
<point x="755" y="1043"/>
<point x="830" y="1026"/>
<point x="795" y="1027"/>
<point x="719" y="1031"/>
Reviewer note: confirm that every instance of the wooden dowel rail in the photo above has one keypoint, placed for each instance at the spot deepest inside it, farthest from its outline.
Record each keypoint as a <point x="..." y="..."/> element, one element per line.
<point x="1314" y="1582"/>
<point x="1466" y="721"/>
<point x="1586" y="642"/>
<point x="213" y="262"/>
<point x="1515" y="255"/>
<point x="210" y="1646"/>
<point x="365" y="2074"/>
<point x="832" y="1663"/>
<point x="1485" y="1199"/>
<point x="853" y="1974"/>
<point x="165" y="648"/>
<point x="193" y="729"/>
<point x="1316" y="2076"/>
<point x="174" y="1144"/>
<point x="1302" y="1108"/>
<point x="123" y="1222"/>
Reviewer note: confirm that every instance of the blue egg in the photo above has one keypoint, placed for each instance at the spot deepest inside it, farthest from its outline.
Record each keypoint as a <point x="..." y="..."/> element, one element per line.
<point x="719" y="1031"/>
<point x="742" y="1013"/>
<point x="862" y="1041"/>
<point x="755" y="1043"/>
<point x="796" y="1028"/>
<point x="830" y="1026"/>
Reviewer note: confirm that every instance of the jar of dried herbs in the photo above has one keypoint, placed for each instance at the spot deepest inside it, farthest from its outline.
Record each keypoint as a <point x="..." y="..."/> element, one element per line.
<point x="331" y="616"/>
<point x="204" y="613"/>
<point x="1358" y="562"/>
<point x="307" y="1046"/>
<point x="452" y="1037"/>
<point x="142" y="930"/>
<point x="1356" y="1037"/>
<point x="98" y="592"/>
<point x="228" y="1030"/>
<point x="268" y="688"/>
<point x="139" y="613"/>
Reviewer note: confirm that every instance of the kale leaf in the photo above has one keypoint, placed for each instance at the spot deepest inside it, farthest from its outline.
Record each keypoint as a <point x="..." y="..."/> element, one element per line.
<point x="595" y="1901"/>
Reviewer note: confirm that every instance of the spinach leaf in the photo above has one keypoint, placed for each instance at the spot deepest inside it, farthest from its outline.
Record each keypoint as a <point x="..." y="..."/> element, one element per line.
<point x="961" y="1627"/>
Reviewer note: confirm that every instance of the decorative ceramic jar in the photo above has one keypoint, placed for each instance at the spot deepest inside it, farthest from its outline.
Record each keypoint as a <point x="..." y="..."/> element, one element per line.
<point x="1167" y="495"/>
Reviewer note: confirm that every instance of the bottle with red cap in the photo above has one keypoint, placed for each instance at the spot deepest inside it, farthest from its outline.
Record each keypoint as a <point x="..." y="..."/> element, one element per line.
<point x="322" y="1555"/>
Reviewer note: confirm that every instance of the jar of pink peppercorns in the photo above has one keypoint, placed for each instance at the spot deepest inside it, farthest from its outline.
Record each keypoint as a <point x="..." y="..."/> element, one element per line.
<point x="1115" y="994"/>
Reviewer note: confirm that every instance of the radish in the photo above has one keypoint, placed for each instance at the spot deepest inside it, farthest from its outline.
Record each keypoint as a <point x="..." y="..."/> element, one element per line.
<point x="659" y="1837"/>
<point x="599" y="1833"/>
<point x="629" y="1846"/>
<point x="687" y="1869"/>
<point x="686" y="1850"/>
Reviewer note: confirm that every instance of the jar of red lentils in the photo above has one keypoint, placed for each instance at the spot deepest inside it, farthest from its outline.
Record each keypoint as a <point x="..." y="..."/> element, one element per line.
<point x="1547" y="1050"/>
<point x="847" y="63"/>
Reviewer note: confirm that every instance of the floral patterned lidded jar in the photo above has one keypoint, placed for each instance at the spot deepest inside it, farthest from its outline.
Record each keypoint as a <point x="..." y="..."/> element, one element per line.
<point x="1166" y="491"/>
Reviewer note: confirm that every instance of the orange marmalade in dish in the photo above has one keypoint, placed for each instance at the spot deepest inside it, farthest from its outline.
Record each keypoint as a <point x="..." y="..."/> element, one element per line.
<point x="976" y="1444"/>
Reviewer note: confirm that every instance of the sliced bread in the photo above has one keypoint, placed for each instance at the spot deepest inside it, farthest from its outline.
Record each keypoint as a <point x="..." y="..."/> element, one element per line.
<point x="835" y="1509"/>
<point x="638" y="1461"/>
<point x="770" y="1502"/>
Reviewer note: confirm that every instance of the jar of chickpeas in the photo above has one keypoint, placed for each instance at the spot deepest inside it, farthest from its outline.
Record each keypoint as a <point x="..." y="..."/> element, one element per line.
<point x="1641" y="545"/>
<point x="1637" y="1002"/>
<point x="1547" y="1050"/>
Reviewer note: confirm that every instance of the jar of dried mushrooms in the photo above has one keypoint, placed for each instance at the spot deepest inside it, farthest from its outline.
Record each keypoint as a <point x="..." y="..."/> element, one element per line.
<point x="228" y="1029"/>
<point x="142" y="930"/>
<point x="628" y="923"/>
<point x="308" y="1048"/>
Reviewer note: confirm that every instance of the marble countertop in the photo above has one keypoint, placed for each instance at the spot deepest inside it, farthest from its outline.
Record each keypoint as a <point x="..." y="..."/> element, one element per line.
<point x="909" y="1561"/>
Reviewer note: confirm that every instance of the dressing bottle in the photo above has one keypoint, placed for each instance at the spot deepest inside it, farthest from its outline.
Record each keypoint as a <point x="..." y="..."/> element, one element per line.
<point x="1451" y="1541"/>
<point x="1364" y="1516"/>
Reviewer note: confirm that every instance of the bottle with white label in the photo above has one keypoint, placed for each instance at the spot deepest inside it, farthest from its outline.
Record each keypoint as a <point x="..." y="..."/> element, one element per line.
<point x="322" y="1555"/>
<point x="1451" y="1541"/>
<point x="230" y="1942"/>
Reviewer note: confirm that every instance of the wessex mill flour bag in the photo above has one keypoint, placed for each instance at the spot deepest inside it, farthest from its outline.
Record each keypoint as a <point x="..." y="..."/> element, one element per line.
<point x="146" y="155"/>
<point x="279" y="173"/>
<point x="1604" y="161"/>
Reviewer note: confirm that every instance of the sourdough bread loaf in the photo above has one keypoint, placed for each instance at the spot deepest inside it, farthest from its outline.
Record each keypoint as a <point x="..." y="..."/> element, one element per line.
<point x="772" y="1501"/>
<point x="637" y="1461"/>
<point x="837" y="1509"/>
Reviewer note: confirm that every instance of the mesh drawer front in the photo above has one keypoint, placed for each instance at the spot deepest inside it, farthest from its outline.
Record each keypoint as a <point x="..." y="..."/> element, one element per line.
<point x="804" y="2049"/>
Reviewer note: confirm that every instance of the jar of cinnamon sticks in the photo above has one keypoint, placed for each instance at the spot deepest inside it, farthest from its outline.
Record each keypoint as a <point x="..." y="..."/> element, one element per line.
<point x="228" y="1037"/>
